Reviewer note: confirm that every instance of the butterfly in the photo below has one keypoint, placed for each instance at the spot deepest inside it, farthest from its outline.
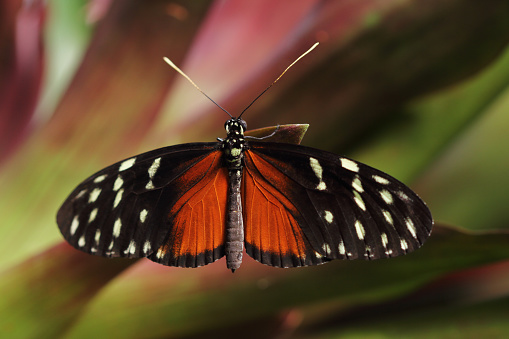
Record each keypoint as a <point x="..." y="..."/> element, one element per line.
<point x="286" y="205"/>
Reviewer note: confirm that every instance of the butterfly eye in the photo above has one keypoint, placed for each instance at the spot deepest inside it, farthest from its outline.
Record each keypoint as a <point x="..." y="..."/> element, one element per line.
<point x="243" y="124"/>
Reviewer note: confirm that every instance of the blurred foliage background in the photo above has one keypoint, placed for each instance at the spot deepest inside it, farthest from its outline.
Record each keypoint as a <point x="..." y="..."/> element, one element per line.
<point x="417" y="88"/>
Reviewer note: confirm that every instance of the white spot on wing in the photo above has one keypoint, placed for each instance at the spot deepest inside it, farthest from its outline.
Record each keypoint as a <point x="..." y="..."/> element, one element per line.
<point x="131" y="249"/>
<point x="321" y="186"/>
<point x="160" y="253"/>
<point x="74" y="225"/>
<point x="385" y="240"/>
<point x="118" y="183"/>
<point x="388" y="217"/>
<point x="387" y="196"/>
<point x="404" y="244"/>
<point x="317" y="168"/>
<point x="143" y="215"/>
<point x="357" y="185"/>
<point x="403" y="196"/>
<point x="326" y="248"/>
<point x="126" y="164"/>
<point x="94" y="195"/>
<point x="349" y="165"/>
<point x="100" y="178"/>
<point x="80" y="194"/>
<point x="149" y="185"/>
<point x="97" y="236"/>
<point x="368" y="253"/>
<point x="341" y="248"/>
<point x="92" y="216"/>
<point x="118" y="198"/>
<point x="411" y="227"/>
<point x="380" y="180"/>
<point x="81" y="242"/>
<point x="329" y="217"/>
<point x="361" y="233"/>
<point x="151" y="172"/>
<point x="146" y="247"/>
<point x="358" y="200"/>
<point x="116" y="228"/>
<point x="111" y="246"/>
<point x="154" y="167"/>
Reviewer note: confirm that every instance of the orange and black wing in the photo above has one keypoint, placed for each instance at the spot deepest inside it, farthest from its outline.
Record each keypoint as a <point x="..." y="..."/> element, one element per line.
<point x="167" y="205"/>
<point x="303" y="206"/>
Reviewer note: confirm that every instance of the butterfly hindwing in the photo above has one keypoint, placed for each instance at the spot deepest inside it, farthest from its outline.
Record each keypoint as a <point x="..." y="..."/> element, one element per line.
<point x="139" y="207"/>
<point x="344" y="209"/>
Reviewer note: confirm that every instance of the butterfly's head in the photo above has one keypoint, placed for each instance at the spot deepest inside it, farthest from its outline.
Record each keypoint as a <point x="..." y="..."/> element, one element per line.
<point x="235" y="126"/>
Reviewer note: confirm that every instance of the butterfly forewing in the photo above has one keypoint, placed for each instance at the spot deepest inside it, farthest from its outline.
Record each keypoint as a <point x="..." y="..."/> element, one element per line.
<point x="344" y="209"/>
<point x="124" y="210"/>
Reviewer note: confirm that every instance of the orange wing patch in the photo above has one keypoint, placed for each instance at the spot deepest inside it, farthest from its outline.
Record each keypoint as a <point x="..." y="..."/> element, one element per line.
<point x="198" y="217"/>
<point x="272" y="233"/>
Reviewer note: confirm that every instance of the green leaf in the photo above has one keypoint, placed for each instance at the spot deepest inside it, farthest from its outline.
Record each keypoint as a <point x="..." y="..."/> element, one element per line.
<point x="176" y="302"/>
<point x="43" y="296"/>
<point x="466" y="184"/>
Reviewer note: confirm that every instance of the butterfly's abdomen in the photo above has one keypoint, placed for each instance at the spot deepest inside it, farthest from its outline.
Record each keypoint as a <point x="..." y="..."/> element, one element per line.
<point x="234" y="245"/>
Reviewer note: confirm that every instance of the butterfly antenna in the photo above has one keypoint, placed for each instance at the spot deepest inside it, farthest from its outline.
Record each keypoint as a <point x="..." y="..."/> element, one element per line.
<point x="169" y="62"/>
<point x="279" y="77"/>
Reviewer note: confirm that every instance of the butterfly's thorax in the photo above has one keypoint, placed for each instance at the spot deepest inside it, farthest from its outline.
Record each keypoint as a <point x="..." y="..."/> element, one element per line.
<point x="233" y="145"/>
<point x="233" y="152"/>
